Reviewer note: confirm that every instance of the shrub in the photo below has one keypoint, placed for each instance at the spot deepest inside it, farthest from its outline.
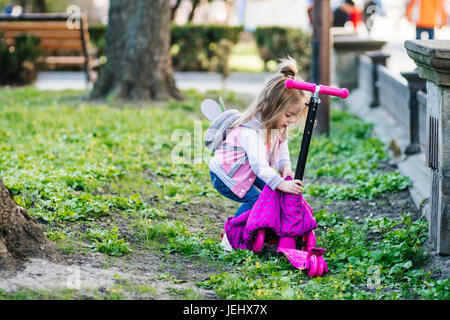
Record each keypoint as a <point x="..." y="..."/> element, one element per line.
<point x="97" y="36"/>
<point x="280" y="42"/>
<point x="193" y="47"/>
<point x="18" y="62"/>
<point x="196" y="47"/>
<point x="223" y="53"/>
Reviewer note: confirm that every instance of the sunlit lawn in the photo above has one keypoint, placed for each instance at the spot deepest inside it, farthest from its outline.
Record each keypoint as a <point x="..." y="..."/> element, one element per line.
<point x="68" y="160"/>
<point x="245" y="58"/>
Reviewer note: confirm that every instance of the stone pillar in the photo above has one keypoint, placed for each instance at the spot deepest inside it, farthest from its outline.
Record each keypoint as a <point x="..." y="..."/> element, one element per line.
<point x="433" y="61"/>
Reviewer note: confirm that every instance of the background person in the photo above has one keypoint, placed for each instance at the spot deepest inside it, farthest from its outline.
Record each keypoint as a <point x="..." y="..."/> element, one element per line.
<point x="426" y="15"/>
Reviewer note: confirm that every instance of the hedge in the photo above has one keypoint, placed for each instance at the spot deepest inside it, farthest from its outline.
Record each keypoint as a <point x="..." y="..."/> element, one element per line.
<point x="193" y="47"/>
<point x="279" y="42"/>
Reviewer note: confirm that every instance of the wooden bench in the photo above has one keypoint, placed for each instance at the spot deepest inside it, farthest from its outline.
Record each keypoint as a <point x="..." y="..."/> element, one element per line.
<point x="63" y="43"/>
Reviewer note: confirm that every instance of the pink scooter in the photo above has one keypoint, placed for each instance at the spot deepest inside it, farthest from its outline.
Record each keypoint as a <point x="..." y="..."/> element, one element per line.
<point x="309" y="257"/>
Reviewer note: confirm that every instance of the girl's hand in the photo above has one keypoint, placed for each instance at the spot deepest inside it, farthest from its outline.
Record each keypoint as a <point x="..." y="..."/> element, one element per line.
<point x="291" y="186"/>
<point x="286" y="171"/>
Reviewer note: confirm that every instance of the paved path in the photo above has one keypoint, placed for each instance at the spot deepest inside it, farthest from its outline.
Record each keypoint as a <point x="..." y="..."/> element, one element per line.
<point x="61" y="80"/>
<point x="248" y="83"/>
<point x="393" y="27"/>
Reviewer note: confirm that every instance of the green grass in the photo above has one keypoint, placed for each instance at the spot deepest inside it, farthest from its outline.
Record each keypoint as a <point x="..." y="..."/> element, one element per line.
<point x="69" y="163"/>
<point x="245" y="58"/>
<point x="390" y="268"/>
<point x="107" y="241"/>
<point x="353" y="155"/>
<point x="72" y="162"/>
<point x="27" y="294"/>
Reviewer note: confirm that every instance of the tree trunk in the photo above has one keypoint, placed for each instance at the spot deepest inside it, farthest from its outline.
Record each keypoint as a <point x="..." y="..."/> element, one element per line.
<point x="174" y="10"/>
<point x="195" y="4"/>
<point x="138" y="64"/>
<point x="20" y="235"/>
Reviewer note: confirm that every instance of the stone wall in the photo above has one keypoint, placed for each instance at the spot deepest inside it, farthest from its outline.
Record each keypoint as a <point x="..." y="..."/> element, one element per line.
<point x="365" y="78"/>
<point x="433" y="61"/>
<point x="394" y="95"/>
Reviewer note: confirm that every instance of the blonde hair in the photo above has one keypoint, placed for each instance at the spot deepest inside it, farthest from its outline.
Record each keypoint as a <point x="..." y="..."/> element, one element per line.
<point x="274" y="99"/>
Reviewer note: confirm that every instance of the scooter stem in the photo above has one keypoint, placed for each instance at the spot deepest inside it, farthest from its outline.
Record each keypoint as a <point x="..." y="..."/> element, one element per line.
<point x="313" y="105"/>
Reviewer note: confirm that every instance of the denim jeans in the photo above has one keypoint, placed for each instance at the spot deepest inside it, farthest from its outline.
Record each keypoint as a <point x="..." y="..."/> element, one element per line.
<point x="420" y="30"/>
<point x="249" y="198"/>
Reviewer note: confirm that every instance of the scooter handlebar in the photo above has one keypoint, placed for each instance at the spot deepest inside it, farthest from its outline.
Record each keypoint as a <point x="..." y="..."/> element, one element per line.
<point x="342" y="93"/>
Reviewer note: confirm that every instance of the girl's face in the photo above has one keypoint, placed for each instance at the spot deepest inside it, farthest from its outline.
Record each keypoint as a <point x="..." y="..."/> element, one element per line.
<point x="288" y="117"/>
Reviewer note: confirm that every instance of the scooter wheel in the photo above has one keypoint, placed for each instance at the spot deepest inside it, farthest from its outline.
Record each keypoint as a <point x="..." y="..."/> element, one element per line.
<point x="258" y="243"/>
<point x="321" y="267"/>
<point x="313" y="266"/>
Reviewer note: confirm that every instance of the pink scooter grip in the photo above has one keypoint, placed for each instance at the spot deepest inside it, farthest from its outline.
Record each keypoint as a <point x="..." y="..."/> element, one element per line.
<point x="342" y="93"/>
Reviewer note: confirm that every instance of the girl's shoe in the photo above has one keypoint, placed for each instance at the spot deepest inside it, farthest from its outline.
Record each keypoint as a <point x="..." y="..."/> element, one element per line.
<point x="225" y="244"/>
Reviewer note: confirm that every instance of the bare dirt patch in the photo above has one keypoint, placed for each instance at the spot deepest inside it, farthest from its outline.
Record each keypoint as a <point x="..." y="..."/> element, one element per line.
<point x="144" y="273"/>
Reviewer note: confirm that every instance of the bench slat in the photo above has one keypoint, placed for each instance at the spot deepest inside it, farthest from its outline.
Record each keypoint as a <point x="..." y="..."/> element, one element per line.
<point x="46" y="34"/>
<point x="52" y="44"/>
<point x="33" y="25"/>
<point x="70" y="60"/>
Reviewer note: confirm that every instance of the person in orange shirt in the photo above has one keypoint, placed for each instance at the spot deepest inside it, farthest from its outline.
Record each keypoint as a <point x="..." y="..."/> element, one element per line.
<point x="426" y="14"/>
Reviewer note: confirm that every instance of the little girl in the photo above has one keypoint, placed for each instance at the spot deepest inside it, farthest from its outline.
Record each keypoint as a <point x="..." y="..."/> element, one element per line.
<point x="257" y="141"/>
